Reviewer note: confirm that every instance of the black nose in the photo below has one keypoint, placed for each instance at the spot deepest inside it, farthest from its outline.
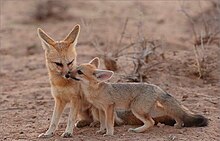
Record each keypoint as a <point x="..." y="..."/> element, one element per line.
<point x="67" y="75"/>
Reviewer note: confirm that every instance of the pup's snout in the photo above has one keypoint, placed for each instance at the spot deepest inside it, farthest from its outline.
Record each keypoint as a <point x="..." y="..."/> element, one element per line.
<point x="73" y="74"/>
<point x="67" y="75"/>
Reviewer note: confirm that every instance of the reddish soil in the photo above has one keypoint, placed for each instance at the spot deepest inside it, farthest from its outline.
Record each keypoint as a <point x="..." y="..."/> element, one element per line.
<point x="26" y="104"/>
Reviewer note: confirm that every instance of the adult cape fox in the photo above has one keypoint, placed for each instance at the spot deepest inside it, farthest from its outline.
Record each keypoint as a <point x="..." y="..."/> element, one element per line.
<point x="60" y="59"/>
<point x="140" y="98"/>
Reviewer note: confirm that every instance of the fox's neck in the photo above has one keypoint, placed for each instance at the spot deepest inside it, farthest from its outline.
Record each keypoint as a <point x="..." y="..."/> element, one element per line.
<point x="94" y="88"/>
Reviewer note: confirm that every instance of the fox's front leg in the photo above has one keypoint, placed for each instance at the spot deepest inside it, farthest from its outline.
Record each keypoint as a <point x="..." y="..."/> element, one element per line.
<point x="58" y="109"/>
<point x="74" y="110"/>
<point x="69" y="128"/>
<point x="109" y="120"/>
<point x="102" y="122"/>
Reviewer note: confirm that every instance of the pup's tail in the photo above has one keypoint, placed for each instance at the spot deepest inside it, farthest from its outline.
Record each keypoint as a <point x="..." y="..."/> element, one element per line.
<point x="181" y="113"/>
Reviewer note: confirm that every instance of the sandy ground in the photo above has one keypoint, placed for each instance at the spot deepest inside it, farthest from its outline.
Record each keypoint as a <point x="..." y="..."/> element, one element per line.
<point x="26" y="103"/>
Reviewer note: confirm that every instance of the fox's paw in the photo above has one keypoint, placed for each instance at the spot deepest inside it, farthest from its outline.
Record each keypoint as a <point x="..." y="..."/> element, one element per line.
<point x="82" y="123"/>
<point x="100" y="132"/>
<point x="108" y="135"/>
<point x="178" y="125"/>
<point x="44" y="135"/>
<point x="132" y="130"/>
<point x="67" y="135"/>
<point x="119" y="122"/>
<point x="94" y="124"/>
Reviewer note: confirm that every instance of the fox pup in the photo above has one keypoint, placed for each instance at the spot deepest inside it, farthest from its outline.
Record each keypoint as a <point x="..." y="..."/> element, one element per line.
<point x="140" y="98"/>
<point x="60" y="59"/>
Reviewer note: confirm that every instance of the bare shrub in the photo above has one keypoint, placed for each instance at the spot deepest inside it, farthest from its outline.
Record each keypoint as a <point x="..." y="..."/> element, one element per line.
<point x="205" y="32"/>
<point x="138" y="54"/>
<point x="143" y="58"/>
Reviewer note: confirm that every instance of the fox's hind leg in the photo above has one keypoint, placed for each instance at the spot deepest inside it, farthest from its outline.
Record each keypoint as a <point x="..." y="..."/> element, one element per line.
<point x="85" y="115"/>
<point x="179" y="123"/>
<point x="146" y="119"/>
<point x="141" y="107"/>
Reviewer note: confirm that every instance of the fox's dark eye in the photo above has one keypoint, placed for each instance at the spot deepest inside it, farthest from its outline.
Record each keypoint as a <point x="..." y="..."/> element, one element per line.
<point x="79" y="72"/>
<point x="70" y="62"/>
<point x="59" y="64"/>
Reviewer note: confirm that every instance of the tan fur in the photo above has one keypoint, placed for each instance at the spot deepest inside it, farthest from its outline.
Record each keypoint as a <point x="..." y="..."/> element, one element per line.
<point x="140" y="98"/>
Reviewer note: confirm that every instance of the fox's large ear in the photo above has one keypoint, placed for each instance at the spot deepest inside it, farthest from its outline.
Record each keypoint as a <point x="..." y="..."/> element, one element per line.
<point x="95" y="61"/>
<point x="103" y="75"/>
<point x="72" y="37"/>
<point x="46" y="40"/>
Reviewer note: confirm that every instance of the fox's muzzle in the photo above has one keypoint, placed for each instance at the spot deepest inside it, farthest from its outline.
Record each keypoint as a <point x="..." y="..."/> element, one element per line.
<point x="67" y="75"/>
<point x="75" y="78"/>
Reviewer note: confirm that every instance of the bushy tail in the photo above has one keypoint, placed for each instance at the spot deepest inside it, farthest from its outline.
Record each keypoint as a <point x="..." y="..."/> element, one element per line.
<point x="195" y="120"/>
<point x="179" y="112"/>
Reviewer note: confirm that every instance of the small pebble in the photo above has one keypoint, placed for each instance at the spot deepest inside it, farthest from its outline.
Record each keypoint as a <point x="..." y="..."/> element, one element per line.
<point x="172" y="137"/>
<point x="33" y="117"/>
<point x="184" y="97"/>
<point x="161" y="125"/>
<point x="182" y="131"/>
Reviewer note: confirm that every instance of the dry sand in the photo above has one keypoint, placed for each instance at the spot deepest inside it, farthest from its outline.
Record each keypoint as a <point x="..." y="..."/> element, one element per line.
<point x="26" y="104"/>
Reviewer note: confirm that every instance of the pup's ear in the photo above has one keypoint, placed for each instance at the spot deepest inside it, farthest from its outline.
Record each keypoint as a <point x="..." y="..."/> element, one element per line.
<point x="103" y="75"/>
<point x="95" y="62"/>
<point x="72" y="37"/>
<point x="46" y="40"/>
